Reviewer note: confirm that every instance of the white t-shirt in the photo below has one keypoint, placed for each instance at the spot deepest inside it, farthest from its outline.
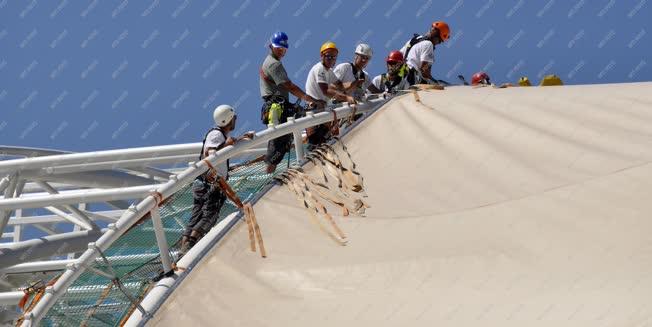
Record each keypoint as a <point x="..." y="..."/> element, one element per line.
<point x="344" y="73"/>
<point x="319" y="74"/>
<point x="420" y="53"/>
<point x="378" y="83"/>
<point x="215" y="139"/>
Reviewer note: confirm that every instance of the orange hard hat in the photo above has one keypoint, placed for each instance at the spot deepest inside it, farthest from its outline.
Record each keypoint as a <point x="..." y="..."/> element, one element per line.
<point x="444" y="30"/>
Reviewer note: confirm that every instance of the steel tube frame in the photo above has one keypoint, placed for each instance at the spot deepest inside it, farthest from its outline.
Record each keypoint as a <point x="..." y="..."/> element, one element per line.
<point x="4" y="182"/>
<point x="11" y="298"/>
<point x="9" y="166"/>
<point x="114" y="164"/>
<point x="86" y="221"/>
<point x="5" y="213"/>
<point x="161" y="240"/>
<point x="69" y="217"/>
<point x="125" y="193"/>
<point x="14" y="253"/>
<point x="110" y="216"/>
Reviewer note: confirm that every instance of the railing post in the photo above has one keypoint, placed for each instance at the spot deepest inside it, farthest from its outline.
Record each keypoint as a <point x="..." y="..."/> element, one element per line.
<point x="298" y="144"/>
<point x="161" y="240"/>
<point x="18" y="228"/>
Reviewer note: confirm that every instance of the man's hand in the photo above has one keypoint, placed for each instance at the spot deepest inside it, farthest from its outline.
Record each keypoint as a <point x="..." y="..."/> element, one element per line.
<point x="319" y="104"/>
<point x="314" y="103"/>
<point x="248" y="135"/>
<point x="350" y="100"/>
<point x="229" y="141"/>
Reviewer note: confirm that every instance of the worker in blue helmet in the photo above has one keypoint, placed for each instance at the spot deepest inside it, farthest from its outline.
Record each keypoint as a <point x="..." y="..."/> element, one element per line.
<point x="275" y="89"/>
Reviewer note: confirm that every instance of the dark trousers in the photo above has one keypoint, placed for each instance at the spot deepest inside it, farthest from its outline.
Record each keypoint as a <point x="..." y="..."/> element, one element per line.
<point x="278" y="147"/>
<point x="208" y="199"/>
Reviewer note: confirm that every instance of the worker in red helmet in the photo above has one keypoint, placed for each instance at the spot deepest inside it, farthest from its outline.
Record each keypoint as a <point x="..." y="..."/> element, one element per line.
<point x="480" y="78"/>
<point x="396" y="77"/>
<point x="419" y="52"/>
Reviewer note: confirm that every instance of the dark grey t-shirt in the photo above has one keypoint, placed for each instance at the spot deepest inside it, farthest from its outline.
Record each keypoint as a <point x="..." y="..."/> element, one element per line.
<point x="276" y="74"/>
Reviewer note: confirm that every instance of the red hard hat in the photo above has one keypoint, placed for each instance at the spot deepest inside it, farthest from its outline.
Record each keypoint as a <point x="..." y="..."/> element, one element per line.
<point x="444" y="30"/>
<point x="480" y="78"/>
<point x="394" y="56"/>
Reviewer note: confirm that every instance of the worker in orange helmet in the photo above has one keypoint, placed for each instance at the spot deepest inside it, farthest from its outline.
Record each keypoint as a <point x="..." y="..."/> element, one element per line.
<point x="419" y="53"/>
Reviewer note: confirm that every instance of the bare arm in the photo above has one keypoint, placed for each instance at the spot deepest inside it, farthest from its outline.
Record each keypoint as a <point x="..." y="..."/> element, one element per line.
<point x="425" y="70"/>
<point x="373" y="89"/>
<point x="351" y="86"/>
<point x="332" y="91"/>
<point x="298" y="92"/>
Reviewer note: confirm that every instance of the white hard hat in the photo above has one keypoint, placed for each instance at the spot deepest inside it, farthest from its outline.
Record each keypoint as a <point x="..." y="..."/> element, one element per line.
<point x="223" y="115"/>
<point x="363" y="49"/>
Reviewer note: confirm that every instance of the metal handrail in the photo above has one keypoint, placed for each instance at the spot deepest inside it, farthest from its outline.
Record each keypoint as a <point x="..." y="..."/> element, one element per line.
<point x="134" y="213"/>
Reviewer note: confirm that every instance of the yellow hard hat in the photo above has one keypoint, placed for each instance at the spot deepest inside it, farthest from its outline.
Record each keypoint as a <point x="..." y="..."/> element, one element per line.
<point x="551" y="80"/>
<point x="328" y="45"/>
<point x="524" y="81"/>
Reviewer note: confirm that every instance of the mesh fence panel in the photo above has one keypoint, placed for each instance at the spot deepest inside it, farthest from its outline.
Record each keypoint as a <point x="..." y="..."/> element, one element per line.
<point x="96" y="300"/>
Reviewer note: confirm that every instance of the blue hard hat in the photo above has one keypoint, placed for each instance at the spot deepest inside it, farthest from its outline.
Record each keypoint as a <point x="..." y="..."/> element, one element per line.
<point x="279" y="39"/>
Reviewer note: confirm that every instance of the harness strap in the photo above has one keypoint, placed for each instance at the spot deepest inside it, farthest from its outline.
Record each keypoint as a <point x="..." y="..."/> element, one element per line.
<point x="355" y="72"/>
<point x="264" y="76"/>
<point x="335" y="126"/>
<point x="158" y="197"/>
<point x="414" y="40"/>
<point x="229" y="192"/>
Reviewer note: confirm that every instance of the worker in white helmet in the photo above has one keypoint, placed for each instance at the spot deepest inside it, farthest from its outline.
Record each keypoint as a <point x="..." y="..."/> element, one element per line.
<point x="208" y="197"/>
<point x="352" y="75"/>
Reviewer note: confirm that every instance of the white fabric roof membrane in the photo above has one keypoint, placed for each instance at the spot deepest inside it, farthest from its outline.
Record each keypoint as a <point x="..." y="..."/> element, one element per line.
<point x="527" y="206"/>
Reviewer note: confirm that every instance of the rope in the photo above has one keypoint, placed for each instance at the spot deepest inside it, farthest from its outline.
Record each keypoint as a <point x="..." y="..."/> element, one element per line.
<point x="311" y="210"/>
<point x="38" y="290"/>
<point x="250" y="216"/>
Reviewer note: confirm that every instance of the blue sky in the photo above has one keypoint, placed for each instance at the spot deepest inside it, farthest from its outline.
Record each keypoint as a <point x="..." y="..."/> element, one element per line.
<point x="84" y="75"/>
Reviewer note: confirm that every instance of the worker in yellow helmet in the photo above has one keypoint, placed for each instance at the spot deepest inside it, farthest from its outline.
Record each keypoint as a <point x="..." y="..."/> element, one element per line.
<point x="322" y="84"/>
<point x="524" y="81"/>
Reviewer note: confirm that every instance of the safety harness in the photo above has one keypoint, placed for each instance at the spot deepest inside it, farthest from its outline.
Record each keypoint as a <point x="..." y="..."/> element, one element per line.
<point x="209" y="176"/>
<point x="414" y="40"/>
<point x="390" y="84"/>
<point x="357" y="73"/>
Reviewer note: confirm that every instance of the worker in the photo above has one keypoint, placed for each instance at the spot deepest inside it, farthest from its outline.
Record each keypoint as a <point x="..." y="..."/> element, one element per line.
<point x="419" y="53"/>
<point x="322" y="84"/>
<point x="396" y="77"/>
<point x="352" y="75"/>
<point x="275" y="87"/>
<point x="208" y="197"/>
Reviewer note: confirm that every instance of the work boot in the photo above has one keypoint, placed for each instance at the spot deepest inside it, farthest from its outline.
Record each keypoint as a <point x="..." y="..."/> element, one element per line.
<point x="186" y="244"/>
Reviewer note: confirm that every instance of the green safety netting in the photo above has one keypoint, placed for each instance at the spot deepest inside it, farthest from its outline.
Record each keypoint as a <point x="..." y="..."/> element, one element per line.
<point x="95" y="300"/>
